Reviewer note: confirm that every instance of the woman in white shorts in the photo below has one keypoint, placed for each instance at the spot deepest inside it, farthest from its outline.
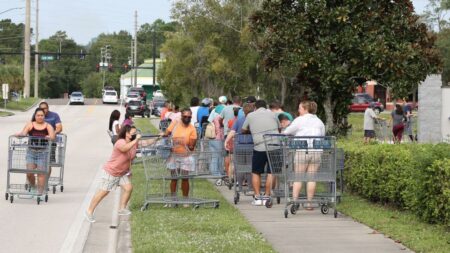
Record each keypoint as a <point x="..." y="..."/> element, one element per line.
<point x="307" y="124"/>
<point x="115" y="170"/>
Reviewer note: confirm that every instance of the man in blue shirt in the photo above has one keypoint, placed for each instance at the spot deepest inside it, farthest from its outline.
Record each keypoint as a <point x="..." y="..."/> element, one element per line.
<point x="51" y="117"/>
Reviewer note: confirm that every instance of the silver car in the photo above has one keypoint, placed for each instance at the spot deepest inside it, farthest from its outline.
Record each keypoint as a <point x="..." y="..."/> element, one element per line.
<point x="76" y="98"/>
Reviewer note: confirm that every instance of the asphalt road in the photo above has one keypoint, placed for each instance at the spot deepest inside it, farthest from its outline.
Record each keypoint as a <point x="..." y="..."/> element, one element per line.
<point x="28" y="227"/>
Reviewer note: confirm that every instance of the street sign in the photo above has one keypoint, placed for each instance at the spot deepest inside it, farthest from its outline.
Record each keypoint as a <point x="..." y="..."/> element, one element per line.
<point x="5" y="91"/>
<point x="47" y="57"/>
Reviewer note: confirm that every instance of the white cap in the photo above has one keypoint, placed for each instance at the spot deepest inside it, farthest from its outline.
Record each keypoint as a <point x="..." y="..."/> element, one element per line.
<point x="223" y="99"/>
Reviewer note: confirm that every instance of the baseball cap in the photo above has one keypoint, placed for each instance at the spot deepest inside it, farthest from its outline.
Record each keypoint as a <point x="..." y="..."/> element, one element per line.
<point x="223" y="99"/>
<point x="250" y="99"/>
<point x="206" y="101"/>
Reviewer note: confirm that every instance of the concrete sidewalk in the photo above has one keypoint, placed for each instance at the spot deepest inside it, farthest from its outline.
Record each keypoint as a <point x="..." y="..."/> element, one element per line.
<point x="311" y="231"/>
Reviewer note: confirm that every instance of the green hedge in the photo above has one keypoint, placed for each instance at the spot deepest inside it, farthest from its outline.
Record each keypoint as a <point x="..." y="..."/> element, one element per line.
<point x="410" y="177"/>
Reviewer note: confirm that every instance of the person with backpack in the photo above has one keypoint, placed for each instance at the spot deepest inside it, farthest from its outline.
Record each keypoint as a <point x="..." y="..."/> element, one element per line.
<point x="203" y="113"/>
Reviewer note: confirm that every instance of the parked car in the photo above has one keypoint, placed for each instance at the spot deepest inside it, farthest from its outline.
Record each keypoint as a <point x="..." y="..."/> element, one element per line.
<point x="141" y="92"/>
<point x="138" y="108"/>
<point x="107" y="88"/>
<point x="361" y="101"/>
<point x="76" y="98"/>
<point x="157" y="105"/>
<point x="132" y="96"/>
<point x="110" y="96"/>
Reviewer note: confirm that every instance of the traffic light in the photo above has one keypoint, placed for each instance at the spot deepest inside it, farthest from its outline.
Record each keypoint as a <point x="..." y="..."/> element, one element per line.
<point x="110" y="68"/>
<point x="125" y="67"/>
<point x="97" y="67"/>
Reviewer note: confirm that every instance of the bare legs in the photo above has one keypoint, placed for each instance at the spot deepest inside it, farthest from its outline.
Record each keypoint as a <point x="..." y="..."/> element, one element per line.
<point x="256" y="182"/>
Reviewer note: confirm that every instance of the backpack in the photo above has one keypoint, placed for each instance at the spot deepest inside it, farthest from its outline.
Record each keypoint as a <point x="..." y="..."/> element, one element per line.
<point x="210" y="131"/>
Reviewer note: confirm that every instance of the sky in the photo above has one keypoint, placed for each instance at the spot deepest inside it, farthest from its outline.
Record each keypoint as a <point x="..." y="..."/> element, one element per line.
<point x="83" y="20"/>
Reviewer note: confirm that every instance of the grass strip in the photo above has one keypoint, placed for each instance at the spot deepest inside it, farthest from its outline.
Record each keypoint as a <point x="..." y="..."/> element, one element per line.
<point x="401" y="226"/>
<point x="160" y="229"/>
<point x="4" y="114"/>
<point x="21" y="105"/>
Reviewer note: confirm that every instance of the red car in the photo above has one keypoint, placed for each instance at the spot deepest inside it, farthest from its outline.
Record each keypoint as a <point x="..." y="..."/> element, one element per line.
<point x="362" y="100"/>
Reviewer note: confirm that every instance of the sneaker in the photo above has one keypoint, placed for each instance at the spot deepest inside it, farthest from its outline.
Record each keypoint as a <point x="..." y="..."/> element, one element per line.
<point x="124" y="212"/>
<point x="168" y="205"/>
<point x="89" y="217"/>
<point x="258" y="202"/>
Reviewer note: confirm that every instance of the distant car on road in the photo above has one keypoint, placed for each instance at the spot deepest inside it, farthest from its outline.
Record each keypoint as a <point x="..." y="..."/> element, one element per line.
<point x="138" y="108"/>
<point x="141" y="92"/>
<point x="132" y="96"/>
<point x="157" y="105"/>
<point x="76" y="98"/>
<point x="107" y="88"/>
<point x="110" y="96"/>
<point x="361" y="101"/>
<point x="158" y="94"/>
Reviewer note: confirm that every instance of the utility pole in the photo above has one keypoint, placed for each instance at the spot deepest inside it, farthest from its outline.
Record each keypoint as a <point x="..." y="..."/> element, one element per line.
<point x="135" y="48"/>
<point x="36" y="56"/>
<point x="102" y="65"/>
<point x="131" y="62"/>
<point x="26" y="63"/>
<point x="154" y="57"/>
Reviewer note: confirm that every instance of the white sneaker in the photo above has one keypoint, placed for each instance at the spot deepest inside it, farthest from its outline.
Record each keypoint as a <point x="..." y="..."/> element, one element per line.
<point x="89" y="217"/>
<point x="124" y="212"/>
<point x="168" y="205"/>
<point x="258" y="202"/>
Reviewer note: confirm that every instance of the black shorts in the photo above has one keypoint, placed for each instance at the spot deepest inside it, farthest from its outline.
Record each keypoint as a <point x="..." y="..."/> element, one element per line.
<point x="369" y="133"/>
<point x="259" y="162"/>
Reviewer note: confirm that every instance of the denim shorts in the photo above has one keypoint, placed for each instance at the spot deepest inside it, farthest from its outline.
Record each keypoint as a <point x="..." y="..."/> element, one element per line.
<point x="38" y="157"/>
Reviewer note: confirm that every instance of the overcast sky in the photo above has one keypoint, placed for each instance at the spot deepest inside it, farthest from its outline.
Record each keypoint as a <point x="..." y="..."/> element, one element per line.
<point x="85" y="19"/>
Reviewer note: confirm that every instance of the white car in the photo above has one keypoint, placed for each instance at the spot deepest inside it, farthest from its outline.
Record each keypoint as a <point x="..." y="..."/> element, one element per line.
<point x="110" y="96"/>
<point x="76" y="98"/>
<point x="132" y="96"/>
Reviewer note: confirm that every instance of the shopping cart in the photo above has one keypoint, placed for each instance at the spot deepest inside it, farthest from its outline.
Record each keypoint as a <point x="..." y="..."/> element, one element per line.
<point x="210" y="160"/>
<point x="31" y="156"/>
<point x="57" y="158"/>
<point x="163" y="125"/>
<point x="305" y="159"/>
<point x="166" y="160"/>
<point x="381" y="131"/>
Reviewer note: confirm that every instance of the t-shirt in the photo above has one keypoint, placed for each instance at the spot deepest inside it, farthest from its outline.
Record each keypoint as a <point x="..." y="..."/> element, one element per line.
<point x="182" y="135"/>
<point x="164" y="110"/>
<point x="306" y="125"/>
<point x="52" y="118"/>
<point x="261" y="122"/>
<point x="227" y="114"/>
<point x="369" y="119"/>
<point x="202" y="112"/>
<point x="119" y="162"/>
<point x="194" y="110"/>
<point x="396" y="118"/>
<point x="115" y="123"/>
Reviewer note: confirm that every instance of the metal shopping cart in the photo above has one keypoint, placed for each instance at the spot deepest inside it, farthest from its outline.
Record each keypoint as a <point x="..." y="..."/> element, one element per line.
<point x="57" y="158"/>
<point x="169" y="159"/>
<point x="302" y="160"/>
<point x="31" y="156"/>
<point x="381" y="131"/>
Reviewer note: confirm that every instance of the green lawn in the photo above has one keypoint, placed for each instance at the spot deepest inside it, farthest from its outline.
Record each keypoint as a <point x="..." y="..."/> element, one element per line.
<point x="21" y="105"/>
<point x="186" y="230"/>
<point x="401" y="226"/>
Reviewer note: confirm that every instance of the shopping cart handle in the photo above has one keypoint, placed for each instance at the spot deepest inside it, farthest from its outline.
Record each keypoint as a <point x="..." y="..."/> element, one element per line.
<point x="150" y="135"/>
<point x="274" y="135"/>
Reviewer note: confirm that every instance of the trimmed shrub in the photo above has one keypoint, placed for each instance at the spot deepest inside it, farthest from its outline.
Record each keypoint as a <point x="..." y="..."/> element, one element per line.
<point x="409" y="177"/>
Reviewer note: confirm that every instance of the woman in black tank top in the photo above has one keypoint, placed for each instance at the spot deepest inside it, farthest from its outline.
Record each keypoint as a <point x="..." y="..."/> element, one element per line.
<point x="36" y="159"/>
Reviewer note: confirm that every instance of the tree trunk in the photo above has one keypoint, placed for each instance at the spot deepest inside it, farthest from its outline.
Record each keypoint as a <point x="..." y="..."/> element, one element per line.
<point x="328" y="107"/>
<point x="283" y="88"/>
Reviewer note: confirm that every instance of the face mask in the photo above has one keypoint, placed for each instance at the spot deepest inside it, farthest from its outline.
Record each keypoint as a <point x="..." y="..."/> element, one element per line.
<point x="186" y="120"/>
<point x="133" y="137"/>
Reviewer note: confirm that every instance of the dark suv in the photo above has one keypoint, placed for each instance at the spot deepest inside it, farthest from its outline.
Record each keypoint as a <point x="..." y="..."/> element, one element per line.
<point x="138" y="108"/>
<point x="141" y="92"/>
<point x="361" y="101"/>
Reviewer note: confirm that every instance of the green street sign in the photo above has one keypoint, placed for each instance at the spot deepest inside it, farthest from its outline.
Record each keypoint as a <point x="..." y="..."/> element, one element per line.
<point x="47" y="57"/>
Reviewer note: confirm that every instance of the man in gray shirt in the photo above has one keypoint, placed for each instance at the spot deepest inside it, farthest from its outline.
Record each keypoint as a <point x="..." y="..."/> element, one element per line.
<point x="259" y="123"/>
<point x="369" y="123"/>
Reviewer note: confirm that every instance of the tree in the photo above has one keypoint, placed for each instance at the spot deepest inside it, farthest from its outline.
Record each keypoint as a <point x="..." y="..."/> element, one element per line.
<point x="11" y="35"/>
<point x="92" y="85"/>
<point x="210" y="54"/>
<point x="330" y="42"/>
<point x="12" y="75"/>
<point x="145" y="37"/>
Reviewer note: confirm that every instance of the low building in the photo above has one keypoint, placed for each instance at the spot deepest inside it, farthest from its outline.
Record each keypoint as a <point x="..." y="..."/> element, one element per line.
<point x="143" y="77"/>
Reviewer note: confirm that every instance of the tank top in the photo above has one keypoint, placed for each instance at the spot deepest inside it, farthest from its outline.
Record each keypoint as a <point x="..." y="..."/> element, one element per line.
<point x="40" y="134"/>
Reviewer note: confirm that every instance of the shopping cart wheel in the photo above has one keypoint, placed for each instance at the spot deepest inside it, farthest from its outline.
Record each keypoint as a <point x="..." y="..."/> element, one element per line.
<point x="61" y="188"/>
<point x="38" y="199"/>
<point x="196" y="207"/>
<point x="54" y="189"/>
<point x="26" y="186"/>
<point x="216" y="205"/>
<point x="6" y="196"/>
<point x="278" y="200"/>
<point x="218" y="182"/>
<point x="46" y="198"/>
<point x="294" y="208"/>
<point x="324" y="209"/>
<point x="236" y="200"/>
<point x="144" y="207"/>
<point x="230" y="185"/>
<point x="286" y="213"/>
<point x="269" y="203"/>
<point x="11" y="199"/>
<point x="335" y="213"/>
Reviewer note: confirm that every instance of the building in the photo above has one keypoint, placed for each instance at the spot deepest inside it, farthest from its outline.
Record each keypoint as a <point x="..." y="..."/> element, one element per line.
<point x="144" y="79"/>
